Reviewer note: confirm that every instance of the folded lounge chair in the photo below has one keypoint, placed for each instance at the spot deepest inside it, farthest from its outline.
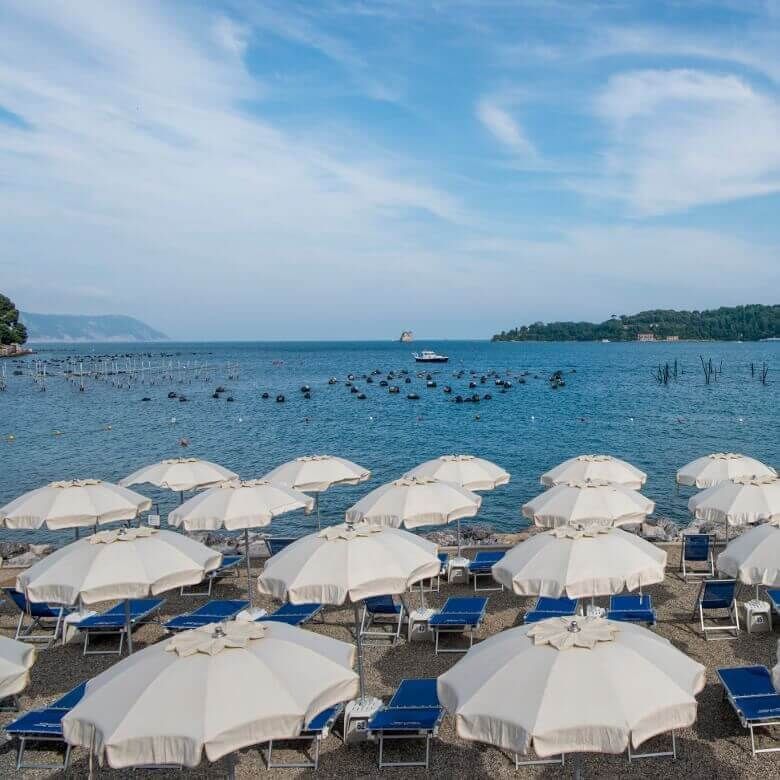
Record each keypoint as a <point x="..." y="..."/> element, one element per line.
<point x="717" y="596"/>
<point x="114" y="621"/>
<point x="413" y="712"/>
<point x="547" y="607"/>
<point x="45" y="726"/>
<point x="697" y="549"/>
<point x="229" y="564"/>
<point x="433" y="585"/>
<point x="750" y="692"/>
<point x="215" y="611"/>
<point x="277" y="544"/>
<point x="315" y="731"/>
<point x="482" y="566"/>
<point x="381" y="610"/>
<point x="294" y="614"/>
<point x="632" y="608"/>
<point x="459" y="614"/>
<point x="47" y="618"/>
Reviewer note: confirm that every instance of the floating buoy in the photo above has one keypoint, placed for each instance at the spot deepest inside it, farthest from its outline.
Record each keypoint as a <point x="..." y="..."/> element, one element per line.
<point x="307" y="396"/>
<point x="106" y="427"/>
<point x="173" y="421"/>
<point x="171" y="394"/>
<point x="393" y="390"/>
<point x="58" y="433"/>
<point x="458" y="399"/>
<point x="146" y="398"/>
<point x="361" y="396"/>
<point x="183" y="399"/>
<point x="413" y="397"/>
<point x="11" y="437"/>
<point x="305" y="388"/>
<point x="230" y="399"/>
<point x="264" y="395"/>
<point x="280" y="399"/>
<point x="487" y="397"/>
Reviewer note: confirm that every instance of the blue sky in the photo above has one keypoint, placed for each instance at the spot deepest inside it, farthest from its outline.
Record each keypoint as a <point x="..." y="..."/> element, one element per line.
<point x="352" y="168"/>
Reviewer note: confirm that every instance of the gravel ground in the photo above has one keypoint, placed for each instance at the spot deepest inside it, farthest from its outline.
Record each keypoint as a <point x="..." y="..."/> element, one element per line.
<point x="716" y="746"/>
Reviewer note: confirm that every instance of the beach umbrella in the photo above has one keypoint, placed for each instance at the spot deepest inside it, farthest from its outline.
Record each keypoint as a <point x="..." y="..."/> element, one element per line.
<point x="753" y="557"/>
<point x="416" y="501"/>
<point x="130" y="563"/>
<point x="719" y="466"/>
<point x="568" y="685"/>
<point x="16" y="660"/>
<point x="588" y="502"/>
<point x="595" y="468"/>
<point x="580" y="562"/>
<point x="318" y="473"/>
<point x="180" y="474"/>
<point x="212" y="690"/>
<point x="739" y="501"/>
<point x="77" y="503"/>
<point x="349" y="562"/>
<point x="239" y="506"/>
<point x="467" y="471"/>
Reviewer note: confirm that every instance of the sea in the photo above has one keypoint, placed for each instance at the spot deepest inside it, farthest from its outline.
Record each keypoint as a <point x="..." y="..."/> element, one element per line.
<point x="114" y="414"/>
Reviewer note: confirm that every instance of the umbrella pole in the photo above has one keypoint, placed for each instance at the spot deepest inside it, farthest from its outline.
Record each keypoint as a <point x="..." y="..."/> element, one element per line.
<point x="359" y="639"/>
<point x="181" y="497"/>
<point x="248" y="568"/>
<point x="317" y="506"/>
<point x="422" y="596"/>
<point x="458" y="537"/>
<point x="128" y="628"/>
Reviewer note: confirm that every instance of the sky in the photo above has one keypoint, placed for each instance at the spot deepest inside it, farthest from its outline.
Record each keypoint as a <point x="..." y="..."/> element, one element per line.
<point x="317" y="169"/>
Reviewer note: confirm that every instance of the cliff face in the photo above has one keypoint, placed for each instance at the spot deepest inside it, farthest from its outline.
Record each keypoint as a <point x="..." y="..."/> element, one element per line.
<point x="74" y="328"/>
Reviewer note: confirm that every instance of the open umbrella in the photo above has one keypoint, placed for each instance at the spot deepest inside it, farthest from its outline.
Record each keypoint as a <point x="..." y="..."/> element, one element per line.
<point x="588" y="502"/>
<point x="719" y="466"/>
<point x="595" y="468"/>
<point x="739" y="501"/>
<point x="349" y="562"/>
<point x="238" y="506"/>
<point x="180" y="474"/>
<point x="77" y="503"/>
<point x="215" y="690"/>
<point x="318" y="473"/>
<point x="127" y="564"/>
<point x="571" y="685"/>
<point x="16" y="660"/>
<point x="580" y="563"/>
<point x="753" y="557"/>
<point x="467" y="471"/>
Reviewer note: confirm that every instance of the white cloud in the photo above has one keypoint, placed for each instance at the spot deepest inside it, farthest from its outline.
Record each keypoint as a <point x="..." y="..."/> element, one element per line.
<point x="498" y="121"/>
<point x="682" y="138"/>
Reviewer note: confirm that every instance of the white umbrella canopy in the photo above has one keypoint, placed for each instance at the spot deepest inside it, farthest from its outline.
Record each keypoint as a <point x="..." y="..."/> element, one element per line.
<point x="595" y="468"/>
<point x="739" y="501"/>
<point x="580" y="563"/>
<point x="588" y="502"/>
<point x="468" y="471"/>
<point x="16" y="660"/>
<point x="238" y="506"/>
<point x="180" y="474"/>
<point x="753" y="557"/>
<point x="77" y="503"/>
<point x="317" y="473"/>
<point x="215" y="690"/>
<point x="413" y="502"/>
<point x="719" y="466"/>
<point x="558" y="690"/>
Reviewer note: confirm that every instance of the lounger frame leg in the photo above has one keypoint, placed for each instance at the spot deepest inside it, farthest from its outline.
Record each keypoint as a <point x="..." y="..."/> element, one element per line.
<point x="367" y="621"/>
<point x="751" y="726"/>
<point x="561" y="761"/>
<point x="121" y="633"/>
<point x="425" y="763"/>
<point x="456" y="630"/>
<point x="23" y="746"/>
<point x="313" y="763"/>
<point x="662" y="754"/>
<point x="24" y="632"/>
<point x="477" y="575"/>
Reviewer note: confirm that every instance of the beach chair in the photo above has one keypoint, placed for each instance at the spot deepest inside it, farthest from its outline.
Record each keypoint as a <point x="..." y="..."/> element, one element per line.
<point x="293" y="614"/>
<point x="413" y="712"/>
<point x="773" y="594"/>
<point x="697" y="549"/>
<point x="753" y="697"/>
<point x="44" y="726"/>
<point x="378" y="611"/>
<point x="316" y="730"/>
<point x="482" y="566"/>
<point x="714" y="597"/>
<point x="632" y="608"/>
<point x="277" y="544"/>
<point x="47" y="618"/>
<point x="433" y="585"/>
<point x="114" y="621"/>
<point x="216" y="611"/>
<point x="459" y="614"/>
<point x="229" y="564"/>
<point x="547" y="607"/>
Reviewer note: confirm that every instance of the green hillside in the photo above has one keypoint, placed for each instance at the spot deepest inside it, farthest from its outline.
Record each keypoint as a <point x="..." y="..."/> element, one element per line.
<point x="11" y="330"/>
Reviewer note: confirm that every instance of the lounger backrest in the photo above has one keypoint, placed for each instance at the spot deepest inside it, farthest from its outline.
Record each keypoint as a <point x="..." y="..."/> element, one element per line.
<point x="465" y="604"/>
<point x="718" y="590"/>
<point x="489" y="555"/>
<point x="549" y="604"/>
<point x="35" y="609"/>
<point x="747" y="681"/>
<point x="324" y="718"/>
<point x="69" y="700"/>
<point x="278" y="544"/>
<point x="220" y="608"/>
<point x="630" y="601"/>
<point x="374" y="602"/>
<point x="415" y="693"/>
<point x="696" y="547"/>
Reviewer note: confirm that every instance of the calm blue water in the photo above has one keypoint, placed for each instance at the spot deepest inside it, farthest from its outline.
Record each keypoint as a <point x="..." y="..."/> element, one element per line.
<point x="611" y="404"/>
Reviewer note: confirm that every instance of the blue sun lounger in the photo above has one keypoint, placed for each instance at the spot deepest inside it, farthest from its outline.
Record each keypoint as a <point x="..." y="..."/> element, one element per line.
<point x="45" y="726"/>
<point x="459" y="614"/>
<point x="293" y="614"/>
<point x="114" y="621"/>
<point x="697" y="548"/>
<point x="215" y="611"/>
<point x="381" y="610"/>
<point x="482" y="566"/>
<point x="433" y="585"/>
<point x="773" y="594"/>
<point x="229" y="564"/>
<point x="717" y="596"/>
<point x="632" y="608"/>
<point x="277" y="544"/>
<point x="316" y="730"/>
<point x="547" y="607"/>
<point x="414" y="712"/>
<point x="44" y="617"/>
<point x="750" y="692"/>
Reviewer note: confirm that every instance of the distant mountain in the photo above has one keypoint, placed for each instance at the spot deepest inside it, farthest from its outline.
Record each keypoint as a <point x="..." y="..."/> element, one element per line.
<point x="67" y="328"/>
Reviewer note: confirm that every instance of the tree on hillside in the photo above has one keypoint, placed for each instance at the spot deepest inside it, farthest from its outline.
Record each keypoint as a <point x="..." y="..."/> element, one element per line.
<point x="11" y="330"/>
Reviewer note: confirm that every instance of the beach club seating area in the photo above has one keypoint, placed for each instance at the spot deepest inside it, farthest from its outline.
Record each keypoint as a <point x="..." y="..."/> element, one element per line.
<point x="738" y="710"/>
